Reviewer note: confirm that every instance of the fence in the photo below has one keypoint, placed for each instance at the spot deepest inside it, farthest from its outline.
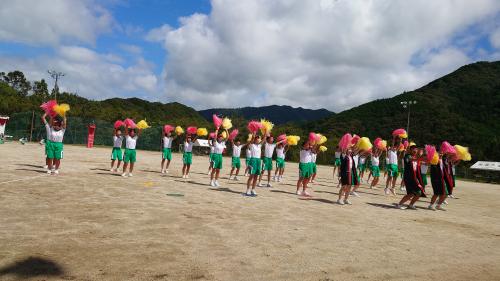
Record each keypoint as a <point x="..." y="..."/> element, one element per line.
<point x="19" y="126"/>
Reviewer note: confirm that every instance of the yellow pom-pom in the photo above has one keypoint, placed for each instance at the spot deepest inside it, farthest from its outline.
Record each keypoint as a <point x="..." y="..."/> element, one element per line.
<point x="463" y="153"/>
<point x="249" y="139"/>
<point x="226" y="123"/>
<point x="224" y="134"/>
<point x="404" y="136"/>
<point x="142" y="125"/>
<point x="201" y="132"/>
<point x="61" y="109"/>
<point x="412" y="144"/>
<point x="435" y="159"/>
<point x="179" y="130"/>
<point x="364" y="144"/>
<point x="322" y="139"/>
<point x="292" y="140"/>
<point x="267" y="126"/>
<point x="323" y="148"/>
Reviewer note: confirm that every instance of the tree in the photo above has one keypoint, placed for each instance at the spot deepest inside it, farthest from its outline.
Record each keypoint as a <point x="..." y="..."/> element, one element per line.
<point x="18" y="82"/>
<point x="40" y="89"/>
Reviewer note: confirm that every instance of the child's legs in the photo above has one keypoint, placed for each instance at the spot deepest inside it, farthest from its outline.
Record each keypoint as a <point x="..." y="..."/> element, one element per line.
<point x="237" y="171"/>
<point x="51" y="163"/>
<point x="304" y="183"/>
<point x="388" y="181"/>
<point x="217" y="172"/>
<point x="441" y="199"/>
<point x="57" y="163"/>
<point x="131" y="169"/>
<point x="268" y="176"/>
<point x="188" y="167"/>
<point x="415" y="199"/>
<point x="282" y="171"/>
<point x="405" y="198"/>
<point x="118" y="165"/>
<point x="249" y="181"/>
<point x="183" y="169"/>
<point x="162" y="163"/>
<point x="347" y="192"/>
<point x="341" y="191"/>
<point x="125" y="164"/>
<point x="313" y="177"/>
<point x="168" y="164"/>
<point x="112" y="163"/>
<point x="212" y="174"/>
<point x="299" y="183"/>
<point x="254" y="181"/>
<point x="433" y="199"/>
<point x="232" y="170"/>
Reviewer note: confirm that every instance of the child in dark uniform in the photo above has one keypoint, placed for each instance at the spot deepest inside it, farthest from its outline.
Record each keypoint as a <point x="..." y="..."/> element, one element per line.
<point x="413" y="180"/>
<point x="438" y="185"/>
<point x="348" y="176"/>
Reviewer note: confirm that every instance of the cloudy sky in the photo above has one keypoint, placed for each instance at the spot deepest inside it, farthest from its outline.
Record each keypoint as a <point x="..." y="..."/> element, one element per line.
<point x="331" y="54"/>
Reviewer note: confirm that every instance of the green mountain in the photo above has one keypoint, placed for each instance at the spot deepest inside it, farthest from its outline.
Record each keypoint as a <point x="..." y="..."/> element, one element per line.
<point x="279" y="114"/>
<point x="462" y="107"/>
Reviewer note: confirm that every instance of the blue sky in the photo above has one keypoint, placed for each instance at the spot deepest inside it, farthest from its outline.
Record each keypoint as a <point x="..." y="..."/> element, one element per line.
<point x="222" y="53"/>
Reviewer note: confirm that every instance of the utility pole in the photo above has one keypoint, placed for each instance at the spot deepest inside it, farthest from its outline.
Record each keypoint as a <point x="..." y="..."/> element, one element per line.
<point x="55" y="75"/>
<point x="408" y="104"/>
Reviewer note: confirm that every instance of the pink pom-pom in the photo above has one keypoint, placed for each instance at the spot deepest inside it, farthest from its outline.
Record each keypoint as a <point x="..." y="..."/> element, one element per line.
<point x="281" y="137"/>
<point x="345" y="141"/>
<point x="119" y="123"/>
<point x="430" y="150"/>
<point x="377" y="141"/>
<point x="168" y="128"/>
<point x="254" y="126"/>
<point x="446" y="147"/>
<point x="217" y="121"/>
<point x="129" y="123"/>
<point x="398" y="132"/>
<point x="191" y="130"/>
<point x="211" y="135"/>
<point x="233" y="134"/>
<point x="312" y="137"/>
<point x="355" y="139"/>
<point x="48" y="107"/>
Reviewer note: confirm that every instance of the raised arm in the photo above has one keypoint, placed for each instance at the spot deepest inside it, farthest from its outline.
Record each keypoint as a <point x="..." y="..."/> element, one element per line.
<point x="65" y="123"/>
<point x="44" y="120"/>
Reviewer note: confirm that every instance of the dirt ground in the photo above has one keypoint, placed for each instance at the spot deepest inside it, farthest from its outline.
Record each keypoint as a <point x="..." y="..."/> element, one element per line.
<point x="91" y="224"/>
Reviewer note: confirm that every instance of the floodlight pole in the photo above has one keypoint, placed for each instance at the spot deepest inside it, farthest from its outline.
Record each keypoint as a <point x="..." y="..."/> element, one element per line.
<point x="55" y="75"/>
<point x="408" y="104"/>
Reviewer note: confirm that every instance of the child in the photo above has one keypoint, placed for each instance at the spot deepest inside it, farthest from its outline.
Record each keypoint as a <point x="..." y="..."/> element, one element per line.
<point x="448" y="174"/>
<point x="375" y="169"/>
<point x="187" y="156"/>
<point x="255" y="164"/>
<point x="281" y="150"/>
<point x="438" y="185"/>
<point x="336" y="164"/>
<point x="267" y="163"/>
<point x="386" y="165"/>
<point x="167" y="151"/>
<point x="47" y="144"/>
<point x="56" y="131"/>
<point x="116" y="153"/>
<point x="305" y="169"/>
<point x="356" y="155"/>
<point x="414" y="188"/>
<point x="392" y="167"/>
<point x="129" y="156"/>
<point x="235" y="161"/>
<point x="248" y="156"/>
<point x="347" y="176"/>
<point x="362" y="167"/>
<point x="219" y="146"/>
<point x="211" y="142"/>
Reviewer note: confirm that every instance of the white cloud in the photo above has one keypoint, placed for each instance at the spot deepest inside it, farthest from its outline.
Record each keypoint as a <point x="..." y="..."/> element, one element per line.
<point x="333" y="54"/>
<point x="49" y="22"/>
<point x="90" y="74"/>
<point x="495" y="38"/>
<point x="132" y="49"/>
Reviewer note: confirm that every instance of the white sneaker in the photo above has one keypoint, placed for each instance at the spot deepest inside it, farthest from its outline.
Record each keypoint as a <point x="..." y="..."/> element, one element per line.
<point x="46" y="167"/>
<point x="130" y="175"/>
<point x="305" y="193"/>
<point x="212" y="183"/>
<point x="209" y="173"/>
<point x="439" y="207"/>
<point x="402" y="188"/>
<point x="248" y="193"/>
<point x="260" y="185"/>
<point x="347" y="202"/>
<point x="412" y="207"/>
<point x="298" y="192"/>
<point x="124" y="175"/>
<point x="183" y="176"/>
<point x="253" y="193"/>
<point x="401" y="207"/>
<point x="386" y="191"/>
<point x="451" y="196"/>
<point x="274" y="178"/>
<point x="56" y="172"/>
<point x="187" y="176"/>
<point x="217" y="183"/>
<point x="354" y="193"/>
<point x="269" y="185"/>
<point x="340" y="202"/>
<point x="49" y="172"/>
<point x="431" y="207"/>
<point x="115" y="170"/>
<point x="445" y="202"/>
<point x="166" y="171"/>
<point x="111" y="170"/>
<point x="236" y="178"/>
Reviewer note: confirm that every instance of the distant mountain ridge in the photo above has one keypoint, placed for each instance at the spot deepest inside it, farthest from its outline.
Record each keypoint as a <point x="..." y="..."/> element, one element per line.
<point x="279" y="114"/>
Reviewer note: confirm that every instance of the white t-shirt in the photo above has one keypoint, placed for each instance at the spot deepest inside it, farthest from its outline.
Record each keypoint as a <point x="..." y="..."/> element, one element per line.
<point x="269" y="150"/>
<point x="280" y="152"/>
<point x="305" y="156"/>
<point x="167" y="142"/>
<point x="219" y="147"/>
<point x="130" y="142"/>
<point x="356" y="159"/>
<point x="393" y="157"/>
<point x="55" y="136"/>
<point x="47" y="130"/>
<point x="237" y="150"/>
<point x="255" y="150"/>
<point x="212" y="148"/>
<point x="375" y="161"/>
<point x="362" y="160"/>
<point x="117" y="141"/>
<point x="423" y="169"/>
<point x="313" y="157"/>
<point x="248" y="152"/>
<point x="188" y="146"/>
<point x="337" y="154"/>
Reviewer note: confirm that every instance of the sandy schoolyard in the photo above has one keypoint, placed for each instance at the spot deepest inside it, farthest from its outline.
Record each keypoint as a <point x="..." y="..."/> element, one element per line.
<point x="90" y="224"/>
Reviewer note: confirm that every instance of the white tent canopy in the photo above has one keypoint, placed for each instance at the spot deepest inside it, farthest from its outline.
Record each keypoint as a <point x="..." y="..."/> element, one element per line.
<point x="3" y="122"/>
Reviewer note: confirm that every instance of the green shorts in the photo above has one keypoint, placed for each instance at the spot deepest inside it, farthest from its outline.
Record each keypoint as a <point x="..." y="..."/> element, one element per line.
<point x="402" y="172"/>
<point x="129" y="155"/>
<point x="217" y="159"/>
<point x="255" y="166"/>
<point x="392" y="170"/>
<point x="55" y="150"/>
<point x="247" y="161"/>
<point x="211" y="157"/>
<point x="116" y="154"/>
<point x="424" y="179"/>
<point x="236" y="162"/>
<point x="280" y="163"/>
<point x="305" y="170"/>
<point x="375" y="171"/>
<point x="267" y="164"/>
<point x="47" y="144"/>
<point x="167" y="153"/>
<point x="187" y="158"/>
<point x="313" y="168"/>
<point x="337" y="162"/>
<point x="362" y="167"/>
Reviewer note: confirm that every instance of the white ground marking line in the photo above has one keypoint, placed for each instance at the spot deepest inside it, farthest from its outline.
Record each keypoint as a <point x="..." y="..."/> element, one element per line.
<point x="28" y="178"/>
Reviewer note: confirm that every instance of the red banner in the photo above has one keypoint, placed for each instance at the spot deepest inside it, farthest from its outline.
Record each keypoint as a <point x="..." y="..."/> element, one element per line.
<point x="90" y="138"/>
